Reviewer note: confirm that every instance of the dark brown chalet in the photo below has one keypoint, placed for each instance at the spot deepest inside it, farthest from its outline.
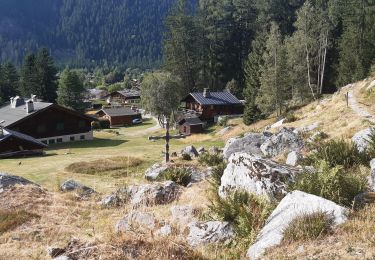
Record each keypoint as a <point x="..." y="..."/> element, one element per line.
<point x="46" y="122"/>
<point x="190" y="125"/>
<point x="211" y="104"/>
<point x="124" y="97"/>
<point x="119" y="116"/>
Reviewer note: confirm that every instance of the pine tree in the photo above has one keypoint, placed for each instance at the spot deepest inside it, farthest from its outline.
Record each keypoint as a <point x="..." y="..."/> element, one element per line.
<point x="47" y="75"/>
<point x="71" y="90"/>
<point x="10" y="81"/>
<point x="30" y="81"/>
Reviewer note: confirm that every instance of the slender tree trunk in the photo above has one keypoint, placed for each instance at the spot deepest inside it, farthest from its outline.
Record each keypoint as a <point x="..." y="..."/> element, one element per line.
<point x="308" y="72"/>
<point x="324" y="64"/>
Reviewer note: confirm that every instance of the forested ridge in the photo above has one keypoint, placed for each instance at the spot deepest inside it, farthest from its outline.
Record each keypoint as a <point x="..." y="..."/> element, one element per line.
<point x="85" y="33"/>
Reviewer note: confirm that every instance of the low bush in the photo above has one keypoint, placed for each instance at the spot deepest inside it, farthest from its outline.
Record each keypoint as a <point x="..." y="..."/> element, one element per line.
<point x="104" y="165"/>
<point x="371" y="144"/>
<point x="333" y="183"/>
<point x="9" y="220"/>
<point x="338" y="152"/>
<point x="223" y="121"/>
<point x="217" y="173"/>
<point x="181" y="176"/>
<point x="210" y="159"/>
<point x="309" y="227"/>
<point x="186" y="157"/>
<point x="290" y="118"/>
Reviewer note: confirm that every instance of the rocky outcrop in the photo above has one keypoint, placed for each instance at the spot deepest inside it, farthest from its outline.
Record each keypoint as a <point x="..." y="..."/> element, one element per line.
<point x="256" y="175"/>
<point x="284" y="141"/>
<point x="164" y="231"/>
<point x="154" y="171"/>
<point x="190" y="150"/>
<point x="224" y="131"/>
<point x="360" y="139"/>
<point x="278" y="124"/>
<point x="72" y="185"/>
<point x="203" y="233"/>
<point x="293" y="158"/>
<point x="7" y="181"/>
<point x="214" y="150"/>
<point x="307" y="129"/>
<point x="250" y="143"/>
<point x="372" y="175"/>
<point x="294" y="205"/>
<point x="201" y="150"/>
<point x="136" y="220"/>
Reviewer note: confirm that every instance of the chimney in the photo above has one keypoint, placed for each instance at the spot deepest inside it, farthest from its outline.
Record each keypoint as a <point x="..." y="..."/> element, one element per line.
<point x="29" y="106"/>
<point x="16" y="102"/>
<point x="33" y="98"/>
<point x="206" y="92"/>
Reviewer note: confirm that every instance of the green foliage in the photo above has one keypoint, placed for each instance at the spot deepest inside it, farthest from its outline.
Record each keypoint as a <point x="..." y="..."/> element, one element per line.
<point x="309" y="227"/>
<point x="338" y="152"/>
<point x="186" y="157"/>
<point x="181" y="176"/>
<point x="71" y="90"/>
<point x="290" y="118"/>
<point x="333" y="183"/>
<point x="223" y="121"/>
<point x="217" y="173"/>
<point x="210" y="159"/>
<point x="115" y="87"/>
<point x="371" y="144"/>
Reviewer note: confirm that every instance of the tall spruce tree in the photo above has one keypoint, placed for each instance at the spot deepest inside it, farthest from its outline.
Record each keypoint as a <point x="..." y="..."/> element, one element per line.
<point x="71" y="90"/>
<point x="10" y="80"/>
<point x="30" y="80"/>
<point x="47" y="74"/>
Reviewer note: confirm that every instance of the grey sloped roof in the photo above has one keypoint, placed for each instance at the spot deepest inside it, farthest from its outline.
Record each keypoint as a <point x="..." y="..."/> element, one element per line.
<point x="12" y="115"/>
<point x="8" y="133"/>
<point x="216" y="98"/>
<point x="120" y="111"/>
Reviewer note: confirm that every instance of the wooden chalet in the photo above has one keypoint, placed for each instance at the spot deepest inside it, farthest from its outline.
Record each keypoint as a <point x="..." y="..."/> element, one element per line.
<point x="192" y="125"/>
<point x="210" y="104"/>
<point x="13" y="144"/>
<point x="124" y="97"/>
<point x="119" y="116"/>
<point x="46" y="122"/>
<point x="96" y="94"/>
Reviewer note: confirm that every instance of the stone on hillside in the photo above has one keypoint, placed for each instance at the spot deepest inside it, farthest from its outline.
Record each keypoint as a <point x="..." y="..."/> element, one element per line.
<point x="201" y="150"/>
<point x="135" y="220"/>
<point x="250" y="143"/>
<point x="154" y="171"/>
<point x="174" y="154"/>
<point x="214" y="150"/>
<point x="372" y="176"/>
<point x="295" y="204"/>
<point x="7" y="181"/>
<point x="278" y="124"/>
<point x="284" y="141"/>
<point x="224" y="130"/>
<point x="153" y="194"/>
<point x="183" y="214"/>
<point x="164" y="231"/>
<point x="54" y="252"/>
<point x="293" y="158"/>
<point x="110" y="201"/>
<point x="203" y="233"/>
<point x="306" y="129"/>
<point x="72" y="185"/>
<point x="360" y="139"/>
<point x="190" y="150"/>
<point x="256" y="175"/>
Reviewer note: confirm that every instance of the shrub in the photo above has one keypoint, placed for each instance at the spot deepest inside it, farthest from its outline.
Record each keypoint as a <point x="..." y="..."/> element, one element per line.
<point x="181" y="176"/>
<point x="338" y="152"/>
<point x="336" y="184"/>
<point x="309" y="227"/>
<point x="210" y="159"/>
<point x="9" y="220"/>
<point x="223" y="121"/>
<point x="217" y="173"/>
<point x="186" y="157"/>
<point x="371" y="143"/>
<point x="290" y="118"/>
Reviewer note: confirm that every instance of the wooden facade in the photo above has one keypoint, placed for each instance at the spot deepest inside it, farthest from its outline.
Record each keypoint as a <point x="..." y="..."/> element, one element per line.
<point x="124" y="97"/>
<point x="189" y="126"/>
<point x="119" y="118"/>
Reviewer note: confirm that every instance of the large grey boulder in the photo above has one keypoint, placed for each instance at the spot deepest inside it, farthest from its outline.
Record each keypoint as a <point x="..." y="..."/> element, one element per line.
<point x="190" y="150"/>
<point x="284" y="141"/>
<point x="360" y="139"/>
<point x="278" y="123"/>
<point x="307" y="128"/>
<point x="224" y="131"/>
<point x="154" y="171"/>
<point x="136" y="220"/>
<point x="293" y="158"/>
<point x="203" y="233"/>
<point x="72" y="185"/>
<point x="294" y="205"/>
<point x="152" y="194"/>
<point x="256" y="175"/>
<point x="250" y="143"/>
<point x="7" y="181"/>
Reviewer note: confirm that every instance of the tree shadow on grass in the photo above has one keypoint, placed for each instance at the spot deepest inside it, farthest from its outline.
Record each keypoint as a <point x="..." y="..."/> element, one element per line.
<point x="96" y="143"/>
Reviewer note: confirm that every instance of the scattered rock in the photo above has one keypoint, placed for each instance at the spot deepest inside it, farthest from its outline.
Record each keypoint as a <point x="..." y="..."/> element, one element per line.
<point x="203" y="233"/>
<point x="72" y="185"/>
<point x="201" y="150"/>
<point x="224" y="130"/>
<point x="7" y="181"/>
<point x="174" y="154"/>
<point x="285" y="141"/>
<point x="190" y="150"/>
<point x="164" y="231"/>
<point x="372" y="176"/>
<point x="183" y="214"/>
<point x="154" y="171"/>
<point x="214" y="150"/>
<point x="278" y="124"/>
<point x="136" y="220"/>
<point x="363" y="198"/>
<point x="153" y="194"/>
<point x="293" y="158"/>
<point x="360" y="139"/>
<point x="110" y="201"/>
<point x="306" y="129"/>
<point x="55" y="252"/>
<point x="294" y="205"/>
<point x="250" y="143"/>
<point x="256" y="175"/>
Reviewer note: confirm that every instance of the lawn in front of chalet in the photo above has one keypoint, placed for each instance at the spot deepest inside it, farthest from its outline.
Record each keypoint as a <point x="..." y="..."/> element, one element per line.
<point x="49" y="171"/>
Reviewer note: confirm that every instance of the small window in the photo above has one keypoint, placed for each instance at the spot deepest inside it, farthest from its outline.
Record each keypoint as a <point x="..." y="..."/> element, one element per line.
<point x="60" y="127"/>
<point x="59" y="140"/>
<point x="41" y="129"/>
<point x="81" y="124"/>
<point x="72" y="138"/>
<point x="82" y="137"/>
<point x="51" y="141"/>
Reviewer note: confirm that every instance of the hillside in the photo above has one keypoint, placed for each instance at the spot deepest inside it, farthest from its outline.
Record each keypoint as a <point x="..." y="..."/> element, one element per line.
<point x="85" y="33"/>
<point x="118" y="158"/>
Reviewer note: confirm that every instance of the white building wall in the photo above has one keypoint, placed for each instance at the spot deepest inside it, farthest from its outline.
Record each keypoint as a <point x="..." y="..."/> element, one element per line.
<point x="68" y="138"/>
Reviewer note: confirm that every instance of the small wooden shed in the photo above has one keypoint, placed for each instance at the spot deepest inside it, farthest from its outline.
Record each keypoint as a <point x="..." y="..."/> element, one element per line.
<point x="119" y="116"/>
<point x="192" y="125"/>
